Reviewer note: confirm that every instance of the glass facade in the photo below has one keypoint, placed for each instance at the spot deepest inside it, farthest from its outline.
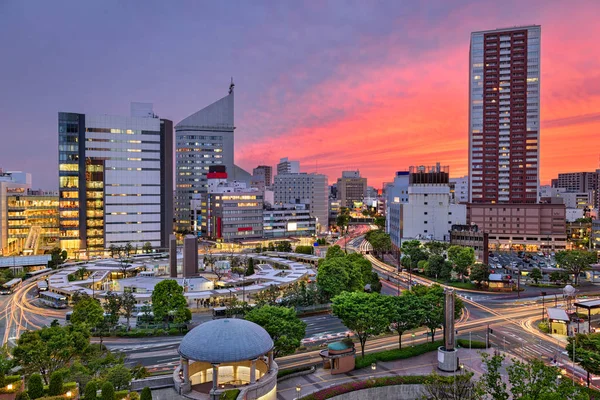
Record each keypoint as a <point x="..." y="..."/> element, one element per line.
<point x="33" y="222"/>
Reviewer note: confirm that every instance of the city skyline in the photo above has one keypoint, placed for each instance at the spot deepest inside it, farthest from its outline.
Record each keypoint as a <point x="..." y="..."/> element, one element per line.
<point x="363" y="88"/>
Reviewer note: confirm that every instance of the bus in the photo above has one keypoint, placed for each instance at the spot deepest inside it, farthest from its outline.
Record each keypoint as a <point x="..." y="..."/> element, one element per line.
<point x="10" y="286"/>
<point x="42" y="286"/>
<point x="219" y="312"/>
<point x="53" y="300"/>
<point x="39" y="272"/>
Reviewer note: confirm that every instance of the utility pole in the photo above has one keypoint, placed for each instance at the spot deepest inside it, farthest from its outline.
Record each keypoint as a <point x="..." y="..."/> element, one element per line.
<point x="518" y="281"/>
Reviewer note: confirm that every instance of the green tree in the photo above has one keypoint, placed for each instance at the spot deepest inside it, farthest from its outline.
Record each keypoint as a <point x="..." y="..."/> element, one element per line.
<point x="57" y="257"/>
<point x="576" y="261"/>
<point x="268" y="296"/>
<point x="282" y="324"/>
<point x="119" y="376"/>
<point x="81" y="272"/>
<point x="250" y="268"/>
<point x="146" y="394"/>
<point x="461" y="258"/>
<point x="456" y="387"/>
<point x="405" y="313"/>
<point x="338" y="274"/>
<point x="334" y="251"/>
<point x="139" y="372"/>
<point x="587" y="352"/>
<point x="50" y="348"/>
<point x="491" y="383"/>
<point x="91" y="390"/>
<point x="413" y="252"/>
<point x="431" y="301"/>
<point x="22" y="396"/>
<point x="380" y="222"/>
<point x="112" y="307"/>
<point x="304" y="249"/>
<point x="147" y="248"/>
<point x="435" y="266"/>
<point x="35" y="386"/>
<point x="87" y="310"/>
<point x="56" y="384"/>
<point x="366" y="314"/>
<point x="113" y="250"/>
<point x="436" y="248"/>
<point x="108" y="391"/>
<point x="168" y="299"/>
<point x="380" y="241"/>
<point x="480" y="273"/>
<point x="536" y="275"/>
<point x="128" y="249"/>
<point x="127" y="303"/>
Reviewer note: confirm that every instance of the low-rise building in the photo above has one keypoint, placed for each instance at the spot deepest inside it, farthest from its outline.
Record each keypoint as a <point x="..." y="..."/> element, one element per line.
<point x="33" y="221"/>
<point x="288" y="220"/>
<point x="471" y="236"/>
<point x="229" y="210"/>
<point x="11" y="183"/>
<point x="578" y="235"/>
<point x="530" y="227"/>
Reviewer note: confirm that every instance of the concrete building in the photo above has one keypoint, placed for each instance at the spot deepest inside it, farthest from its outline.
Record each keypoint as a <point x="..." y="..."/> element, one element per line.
<point x="286" y="166"/>
<point x="396" y="194"/>
<point x="471" y="236"/>
<point x="576" y="181"/>
<point x="204" y="139"/>
<point x="334" y="211"/>
<point x="579" y="235"/>
<point x="581" y="200"/>
<point x="459" y="190"/>
<point x="595" y="235"/>
<point x="309" y="189"/>
<point x="115" y="180"/>
<point x="532" y="227"/>
<point x="11" y="183"/>
<point x="290" y="220"/>
<point x="32" y="220"/>
<point x="428" y="214"/>
<point x="351" y="189"/>
<point x="265" y="172"/>
<point x="230" y="211"/>
<point x="190" y="256"/>
<point x="504" y="115"/>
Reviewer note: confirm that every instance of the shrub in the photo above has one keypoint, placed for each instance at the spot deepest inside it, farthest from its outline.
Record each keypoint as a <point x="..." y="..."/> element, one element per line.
<point x="475" y="344"/>
<point x="396" y="354"/>
<point x="134" y="396"/>
<point x="121" y="394"/>
<point x="285" y="372"/>
<point x="35" y="386"/>
<point x="544" y="327"/>
<point x="146" y="394"/>
<point x="56" y="384"/>
<point x="16" y="388"/>
<point x="119" y="376"/>
<point x="230" y="394"/>
<point x="91" y="390"/>
<point x="108" y="391"/>
<point x="22" y="395"/>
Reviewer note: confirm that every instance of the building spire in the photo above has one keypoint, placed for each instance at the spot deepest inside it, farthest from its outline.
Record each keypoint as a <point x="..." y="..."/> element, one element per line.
<point x="231" y="86"/>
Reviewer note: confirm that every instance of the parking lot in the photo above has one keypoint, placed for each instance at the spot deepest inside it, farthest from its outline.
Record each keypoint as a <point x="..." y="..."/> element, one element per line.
<point x="526" y="261"/>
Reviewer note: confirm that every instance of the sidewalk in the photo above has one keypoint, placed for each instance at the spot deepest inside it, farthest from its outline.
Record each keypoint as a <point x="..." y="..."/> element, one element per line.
<point x="420" y="365"/>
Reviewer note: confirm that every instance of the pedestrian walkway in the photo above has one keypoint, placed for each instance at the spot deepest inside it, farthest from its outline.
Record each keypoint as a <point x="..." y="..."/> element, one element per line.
<point x="420" y="365"/>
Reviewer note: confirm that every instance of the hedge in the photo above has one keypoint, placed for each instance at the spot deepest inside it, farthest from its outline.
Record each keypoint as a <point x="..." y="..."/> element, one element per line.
<point x="474" y="344"/>
<point x="369" y="383"/>
<point x="544" y="327"/>
<point x="284" y="372"/>
<point x="397" y="354"/>
<point x="137" y="332"/>
<point x="66" y="387"/>
<point x="11" y="378"/>
<point x="229" y="394"/>
<point x="121" y="394"/>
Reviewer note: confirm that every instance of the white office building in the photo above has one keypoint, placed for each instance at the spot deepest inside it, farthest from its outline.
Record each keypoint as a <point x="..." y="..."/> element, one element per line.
<point x="286" y="166"/>
<point x="204" y="139"/>
<point x="459" y="190"/>
<point x="115" y="180"/>
<point x="302" y="188"/>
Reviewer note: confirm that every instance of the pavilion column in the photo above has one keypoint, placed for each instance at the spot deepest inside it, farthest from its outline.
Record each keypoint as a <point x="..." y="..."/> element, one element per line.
<point x="253" y="371"/>
<point x="270" y="355"/>
<point x="215" y="377"/>
<point x="185" y="364"/>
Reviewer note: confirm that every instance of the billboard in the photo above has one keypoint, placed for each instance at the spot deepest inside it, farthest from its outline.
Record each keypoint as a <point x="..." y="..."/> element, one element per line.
<point x="292" y="226"/>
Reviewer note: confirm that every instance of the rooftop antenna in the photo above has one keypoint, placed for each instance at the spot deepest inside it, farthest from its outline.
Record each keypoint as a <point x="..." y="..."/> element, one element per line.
<point x="231" y="86"/>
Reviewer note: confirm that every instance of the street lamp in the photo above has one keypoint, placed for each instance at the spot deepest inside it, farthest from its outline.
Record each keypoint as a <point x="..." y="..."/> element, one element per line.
<point x="69" y="393"/>
<point x="10" y="386"/>
<point x="373" y="368"/>
<point x="298" y="390"/>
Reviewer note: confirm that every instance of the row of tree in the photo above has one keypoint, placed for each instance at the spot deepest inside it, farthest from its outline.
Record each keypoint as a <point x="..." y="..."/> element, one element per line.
<point x="282" y="246"/>
<point x="380" y="241"/>
<point x="370" y="314"/>
<point x="339" y="272"/>
<point x="128" y="249"/>
<point x="522" y="380"/>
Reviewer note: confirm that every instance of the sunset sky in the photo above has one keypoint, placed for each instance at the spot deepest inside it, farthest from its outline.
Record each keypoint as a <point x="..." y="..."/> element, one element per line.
<point x="376" y="86"/>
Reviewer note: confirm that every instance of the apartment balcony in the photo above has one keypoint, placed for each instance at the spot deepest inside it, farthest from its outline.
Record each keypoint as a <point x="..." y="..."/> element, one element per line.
<point x="504" y="65"/>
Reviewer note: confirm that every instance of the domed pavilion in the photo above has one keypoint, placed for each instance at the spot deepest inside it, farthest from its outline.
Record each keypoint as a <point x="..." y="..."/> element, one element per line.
<point x="225" y="354"/>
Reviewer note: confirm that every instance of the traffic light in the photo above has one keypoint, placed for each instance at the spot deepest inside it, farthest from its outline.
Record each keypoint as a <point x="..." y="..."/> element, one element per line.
<point x="491" y="331"/>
